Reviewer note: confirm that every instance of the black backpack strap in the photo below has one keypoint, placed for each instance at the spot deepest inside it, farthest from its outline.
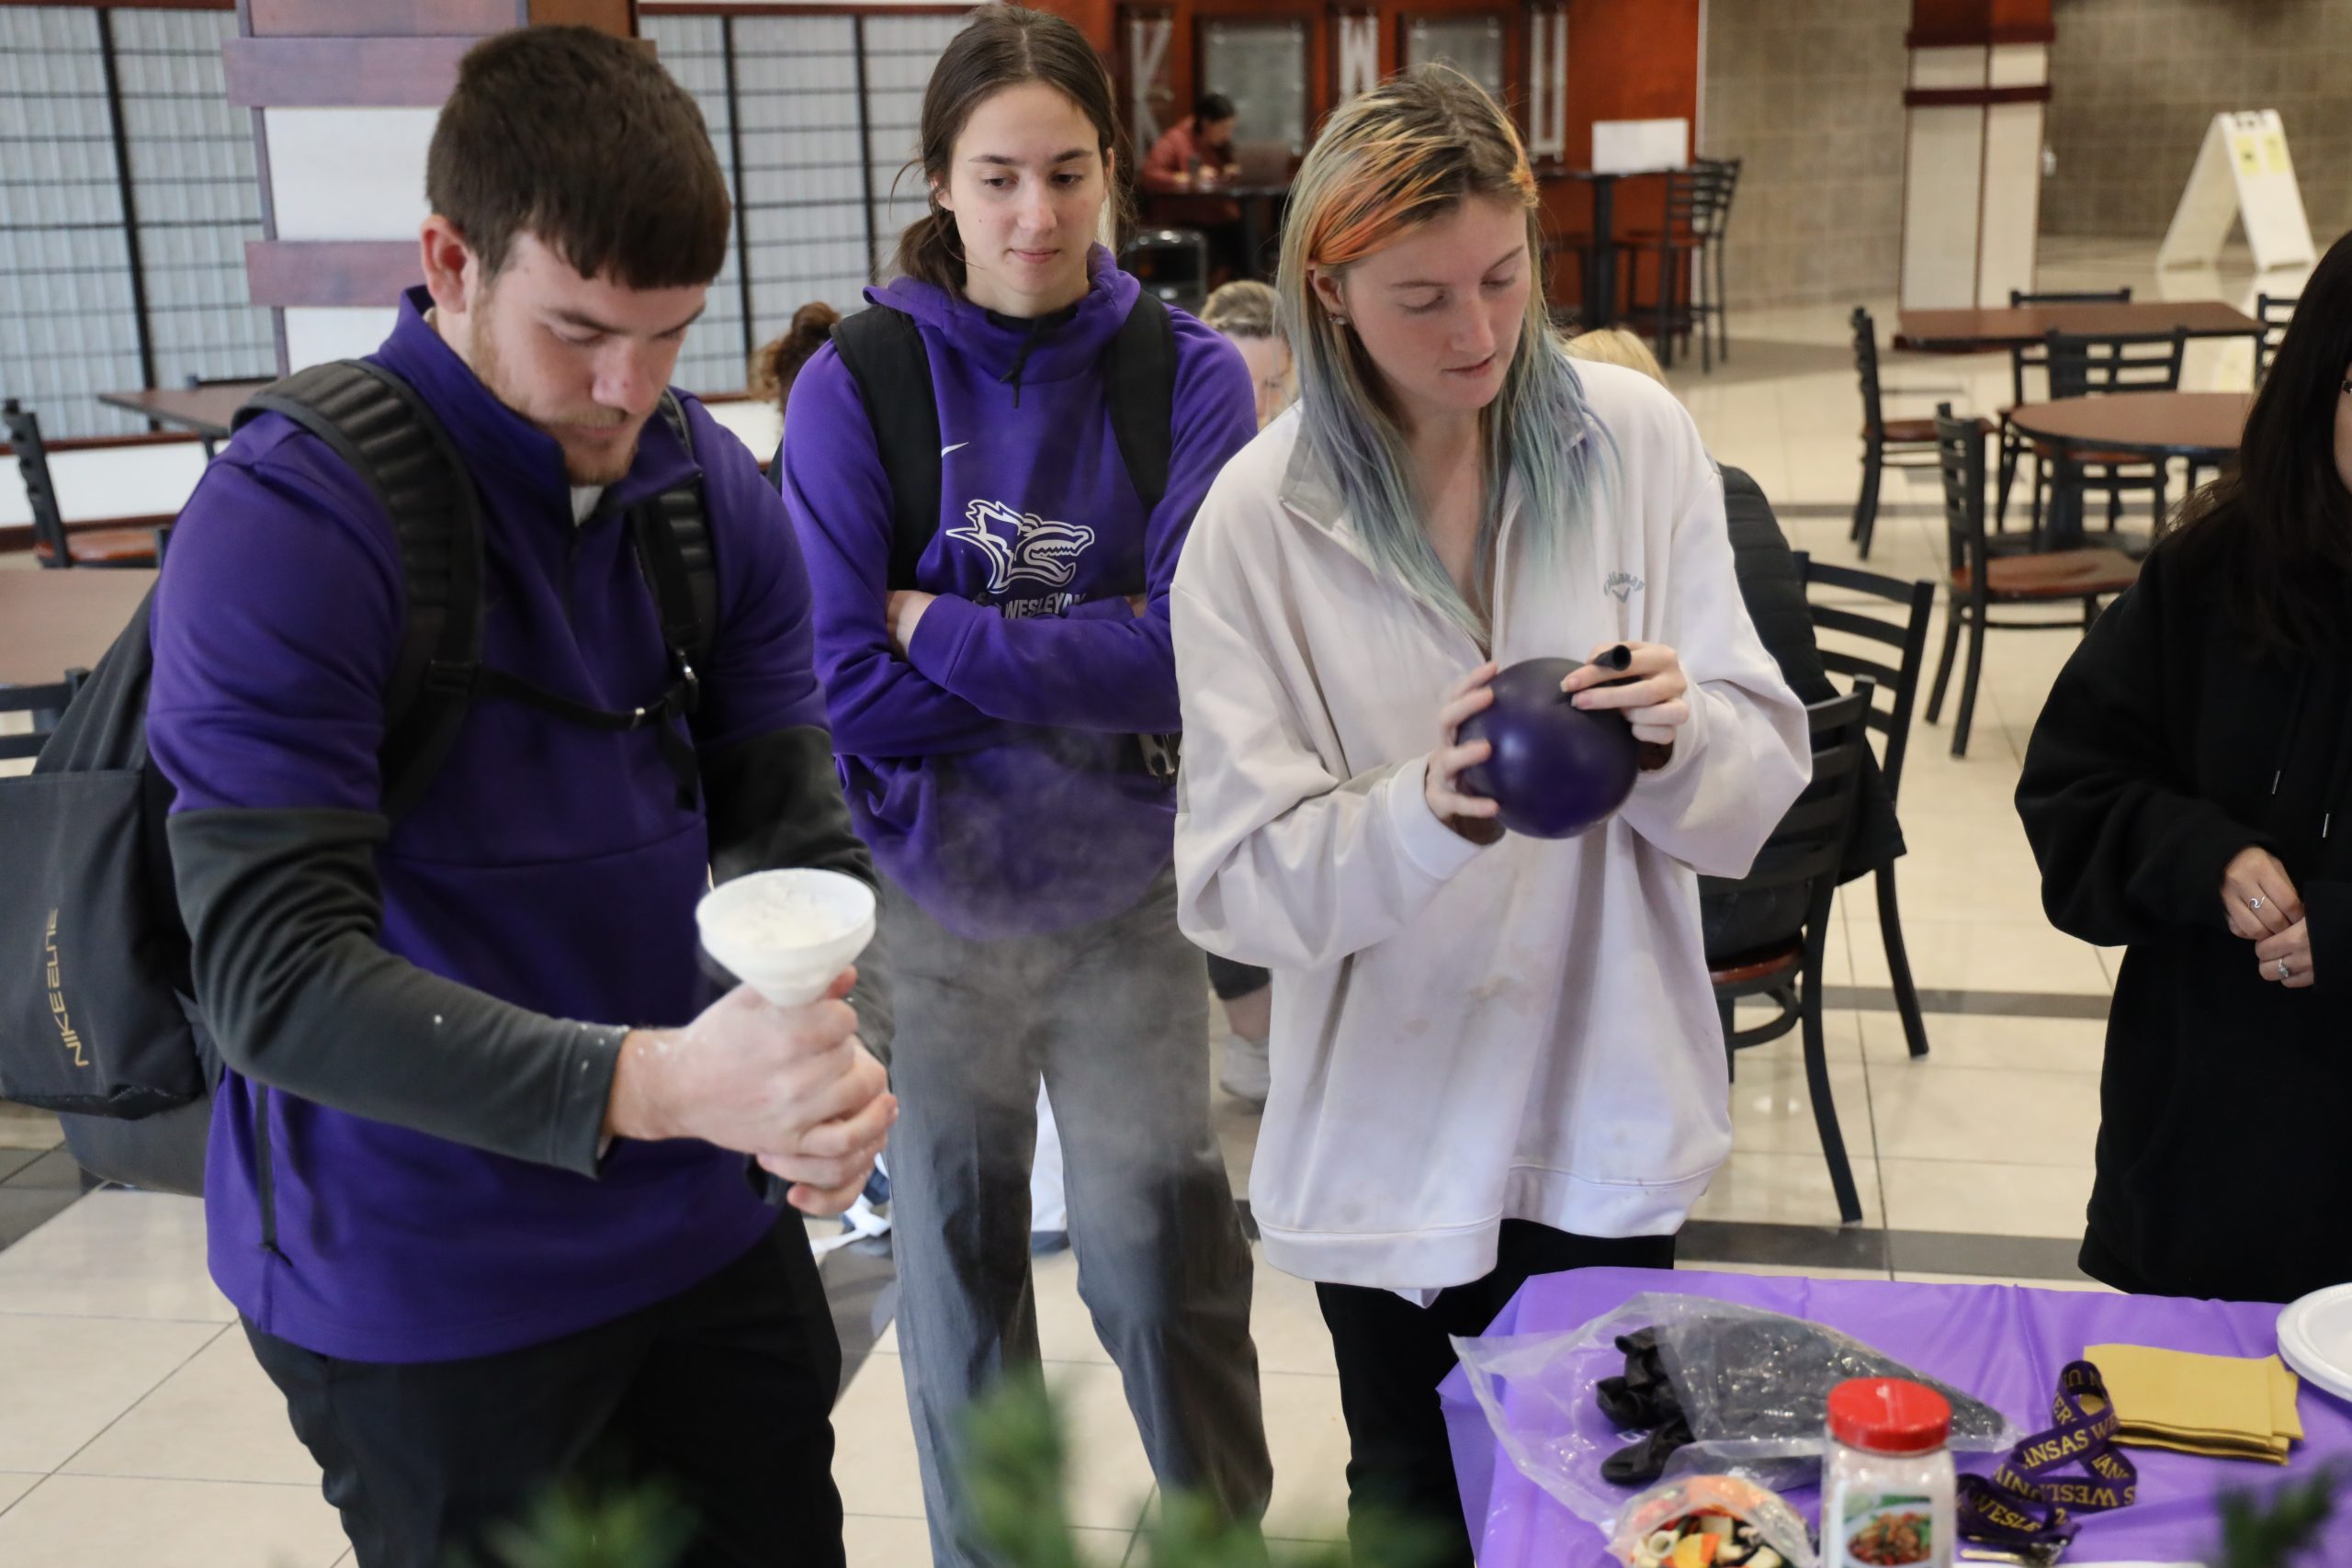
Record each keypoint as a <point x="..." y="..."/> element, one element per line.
<point x="884" y="351"/>
<point x="376" y="423"/>
<point x="685" y="582"/>
<point x="1141" y="373"/>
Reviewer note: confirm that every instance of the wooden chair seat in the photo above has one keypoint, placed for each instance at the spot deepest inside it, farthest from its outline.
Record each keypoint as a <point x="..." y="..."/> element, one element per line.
<point x="2055" y="574"/>
<point x="106" y="546"/>
<point x="1918" y="432"/>
<point x="1748" y="968"/>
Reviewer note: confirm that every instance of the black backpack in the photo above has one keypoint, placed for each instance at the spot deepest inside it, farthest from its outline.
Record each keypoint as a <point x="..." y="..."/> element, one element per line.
<point x="97" y="1018"/>
<point x="883" y="349"/>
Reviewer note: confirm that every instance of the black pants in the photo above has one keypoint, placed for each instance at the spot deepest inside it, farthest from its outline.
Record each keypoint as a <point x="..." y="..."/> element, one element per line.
<point x="1393" y="1355"/>
<point x="724" y="1391"/>
<point x="1232" y="981"/>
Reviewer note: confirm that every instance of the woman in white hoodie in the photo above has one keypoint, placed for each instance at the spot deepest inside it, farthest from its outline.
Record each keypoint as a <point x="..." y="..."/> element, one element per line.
<point x="1492" y="1057"/>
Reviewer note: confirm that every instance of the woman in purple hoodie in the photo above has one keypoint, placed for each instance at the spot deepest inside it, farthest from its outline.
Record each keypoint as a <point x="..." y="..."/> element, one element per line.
<point x="987" y="705"/>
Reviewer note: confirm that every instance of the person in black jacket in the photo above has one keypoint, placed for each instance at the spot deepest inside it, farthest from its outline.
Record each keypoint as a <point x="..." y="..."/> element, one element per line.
<point x="2179" y="793"/>
<point x="1738" y="923"/>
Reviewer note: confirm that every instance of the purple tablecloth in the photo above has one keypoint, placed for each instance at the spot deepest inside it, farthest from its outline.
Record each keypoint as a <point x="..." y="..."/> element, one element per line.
<point x="2002" y="1343"/>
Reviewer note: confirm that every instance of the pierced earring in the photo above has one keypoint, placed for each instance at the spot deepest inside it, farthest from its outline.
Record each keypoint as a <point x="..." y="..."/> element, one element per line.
<point x="1338" y="319"/>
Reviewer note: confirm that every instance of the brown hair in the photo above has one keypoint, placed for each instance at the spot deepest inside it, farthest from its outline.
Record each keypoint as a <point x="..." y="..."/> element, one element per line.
<point x="581" y="139"/>
<point x="1003" y="46"/>
<point x="777" y="364"/>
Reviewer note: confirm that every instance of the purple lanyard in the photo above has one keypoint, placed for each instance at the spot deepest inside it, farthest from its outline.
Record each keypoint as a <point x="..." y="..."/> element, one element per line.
<point x="2020" y="1504"/>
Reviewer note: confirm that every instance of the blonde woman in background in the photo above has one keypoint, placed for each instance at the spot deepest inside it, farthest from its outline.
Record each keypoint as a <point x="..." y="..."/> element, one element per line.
<point x="1249" y="315"/>
<point x="1492" y="1057"/>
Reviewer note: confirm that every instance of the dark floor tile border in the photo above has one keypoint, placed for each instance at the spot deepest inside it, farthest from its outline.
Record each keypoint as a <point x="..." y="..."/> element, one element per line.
<point x="23" y="1209"/>
<point x="1995" y="1004"/>
<point x="1857" y="1247"/>
<point x="13" y="1160"/>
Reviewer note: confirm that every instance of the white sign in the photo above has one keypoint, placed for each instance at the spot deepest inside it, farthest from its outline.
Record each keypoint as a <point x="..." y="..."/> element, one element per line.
<point x="1640" y="146"/>
<point x="2242" y="173"/>
<point x="1547" y="83"/>
<point x="1358" y="55"/>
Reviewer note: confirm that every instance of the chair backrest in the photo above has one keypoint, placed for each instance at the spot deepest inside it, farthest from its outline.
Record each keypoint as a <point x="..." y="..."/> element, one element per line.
<point x="1727" y="173"/>
<point x="41" y="492"/>
<point x="1171" y="263"/>
<point x="2032" y="355"/>
<point x="2143" y="363"/>
<point x="1866" y="372"/>
<point x="45" y="703"/>
<point x="1808" y="846"/>
<point x="1690" y="198"/>
<point x="2274" y="311"/>
<point x="1898" y="683"/>
<point x="1960" y="459"/>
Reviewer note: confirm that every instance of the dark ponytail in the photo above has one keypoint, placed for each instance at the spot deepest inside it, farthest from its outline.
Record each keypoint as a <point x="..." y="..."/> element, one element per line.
<point x="777" y="364"/>
<point x="1003" y="46"/>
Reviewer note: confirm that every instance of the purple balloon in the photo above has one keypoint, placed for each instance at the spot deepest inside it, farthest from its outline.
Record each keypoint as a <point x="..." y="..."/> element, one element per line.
<point x="1556" y="768"/>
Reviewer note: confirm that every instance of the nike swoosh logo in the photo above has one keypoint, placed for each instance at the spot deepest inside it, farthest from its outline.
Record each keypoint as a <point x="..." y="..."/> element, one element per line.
<point x="957" y="447"/>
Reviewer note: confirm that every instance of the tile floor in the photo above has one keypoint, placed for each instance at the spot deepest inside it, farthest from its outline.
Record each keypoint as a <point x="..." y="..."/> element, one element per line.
<point x="136" y="1432"/>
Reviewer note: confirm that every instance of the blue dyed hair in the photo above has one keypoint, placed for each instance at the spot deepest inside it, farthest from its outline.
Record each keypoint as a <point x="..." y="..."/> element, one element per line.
<point x="1391" y="160"/>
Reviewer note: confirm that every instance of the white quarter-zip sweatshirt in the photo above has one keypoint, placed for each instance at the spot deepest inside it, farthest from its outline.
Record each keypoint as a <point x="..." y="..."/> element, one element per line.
<point x="1464" y="1035"/>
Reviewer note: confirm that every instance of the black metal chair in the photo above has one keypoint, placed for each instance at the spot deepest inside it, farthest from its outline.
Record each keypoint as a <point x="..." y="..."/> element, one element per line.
<point x="1806" y="850"/>
<point x="1173" y="264"/>
<point x="2034" y="357"/>
<point x="1695" y="207"/>
<point x="53" y="546"/>
<point x="1713" y="300"/>
<point x="46" y="703"/>
<point x="1898" y="684"/>
<point x="1981" y="580"/>
<point x="1886" y="443"/>
<point x="2080" y="366"/>
<point x="2274" y="311"/>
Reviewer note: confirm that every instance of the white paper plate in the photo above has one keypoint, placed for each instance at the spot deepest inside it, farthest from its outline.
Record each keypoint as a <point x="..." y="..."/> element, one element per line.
<point x="2316" y="1339"/>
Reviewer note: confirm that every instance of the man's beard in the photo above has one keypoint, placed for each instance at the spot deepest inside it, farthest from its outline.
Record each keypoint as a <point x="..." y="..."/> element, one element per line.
<point x="580" y="468"/>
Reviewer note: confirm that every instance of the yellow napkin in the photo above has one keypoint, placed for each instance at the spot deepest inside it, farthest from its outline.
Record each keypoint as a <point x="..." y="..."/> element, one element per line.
<point x="2222" y="1406"/>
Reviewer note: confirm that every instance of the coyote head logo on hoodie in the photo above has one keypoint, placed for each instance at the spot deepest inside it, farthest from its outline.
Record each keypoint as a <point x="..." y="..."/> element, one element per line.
<point x="1022" y="547"/>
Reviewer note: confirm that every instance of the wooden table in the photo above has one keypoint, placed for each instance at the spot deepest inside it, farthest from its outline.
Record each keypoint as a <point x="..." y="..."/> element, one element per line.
<point x="2202" y="428"/>
<point x="58" y="620"/>
<point x="1972" y="332"/>
<point x="208" y="410"/>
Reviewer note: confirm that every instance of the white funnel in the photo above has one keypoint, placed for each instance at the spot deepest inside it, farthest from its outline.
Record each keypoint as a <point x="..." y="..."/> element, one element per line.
<point x="788" y="933"/>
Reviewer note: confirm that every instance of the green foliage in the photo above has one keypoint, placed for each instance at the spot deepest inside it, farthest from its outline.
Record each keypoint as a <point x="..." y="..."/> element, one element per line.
<point x="1016" y="1475"/>
<point x="579" y="1526"/>
<point x="2273" y="1532"/>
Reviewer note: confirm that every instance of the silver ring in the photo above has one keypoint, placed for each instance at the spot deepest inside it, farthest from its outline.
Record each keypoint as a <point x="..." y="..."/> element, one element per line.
<point x="2255" y="903"/>
<point x="2282" y="969"/>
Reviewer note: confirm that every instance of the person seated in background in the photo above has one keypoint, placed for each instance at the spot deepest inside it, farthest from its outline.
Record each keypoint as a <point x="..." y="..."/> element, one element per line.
<point x="1248" y="314"/>
<point x="1737" y="923"/>
<point x="779" y="360"/>
<point x="2177" y="791"/>
<point x="1196" y="151"/>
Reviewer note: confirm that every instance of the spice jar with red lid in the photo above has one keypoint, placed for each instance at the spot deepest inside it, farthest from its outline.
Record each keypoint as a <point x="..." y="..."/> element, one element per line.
<point x="1887" y="1485"/>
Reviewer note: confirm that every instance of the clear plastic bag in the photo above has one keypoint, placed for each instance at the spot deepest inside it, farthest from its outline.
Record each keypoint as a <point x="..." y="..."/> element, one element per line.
<point x="1753" y="1384"/>
<point x="1778" y="1526"/>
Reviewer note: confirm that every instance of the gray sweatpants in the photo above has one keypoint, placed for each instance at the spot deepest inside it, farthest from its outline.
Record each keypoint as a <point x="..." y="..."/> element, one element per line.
<point x="1116" y="1017"/>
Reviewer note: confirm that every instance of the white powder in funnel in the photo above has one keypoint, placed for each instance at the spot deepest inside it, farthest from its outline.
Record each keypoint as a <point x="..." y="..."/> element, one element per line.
<point x="782" y="922"/>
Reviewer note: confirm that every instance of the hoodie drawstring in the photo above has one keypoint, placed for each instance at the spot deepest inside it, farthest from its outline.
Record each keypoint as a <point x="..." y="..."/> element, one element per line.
<point x="1040" y="328"/>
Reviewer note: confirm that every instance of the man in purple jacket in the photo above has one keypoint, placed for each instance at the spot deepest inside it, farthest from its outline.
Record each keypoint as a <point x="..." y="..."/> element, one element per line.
<point x="477" y="1183"/>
